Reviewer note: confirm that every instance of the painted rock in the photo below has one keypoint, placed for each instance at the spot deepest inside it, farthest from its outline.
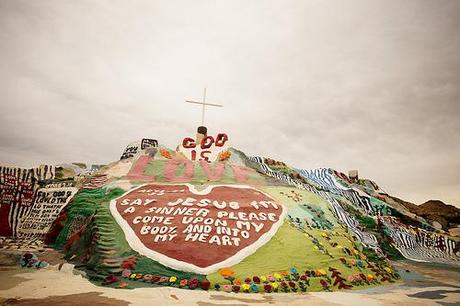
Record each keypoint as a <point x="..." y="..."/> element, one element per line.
<point x="197" y="231"/>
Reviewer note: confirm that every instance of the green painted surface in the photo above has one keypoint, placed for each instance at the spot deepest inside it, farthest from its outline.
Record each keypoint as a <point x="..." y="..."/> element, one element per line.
<point x="291" y="248"/>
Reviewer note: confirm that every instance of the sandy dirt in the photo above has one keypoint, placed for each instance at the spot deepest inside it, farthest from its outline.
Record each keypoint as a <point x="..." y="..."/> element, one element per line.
<point x="60" y="284"/>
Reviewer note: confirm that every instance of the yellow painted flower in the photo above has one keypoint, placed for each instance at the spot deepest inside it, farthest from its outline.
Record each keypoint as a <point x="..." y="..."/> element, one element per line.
<point x="274" y="285"/>
<point x="172" y="279"/>
<point x="277" y="276"/>
<point x="245" y="286"/>
<point x="388" y="269"/>
<point x="370" y="276"/>
<point x="321" y="272"/>
<point x="355" y="251"/>
<point x="263" y="278"/>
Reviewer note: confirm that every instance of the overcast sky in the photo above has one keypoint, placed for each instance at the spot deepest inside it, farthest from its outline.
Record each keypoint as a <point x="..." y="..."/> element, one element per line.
<point x="368" y="85"/>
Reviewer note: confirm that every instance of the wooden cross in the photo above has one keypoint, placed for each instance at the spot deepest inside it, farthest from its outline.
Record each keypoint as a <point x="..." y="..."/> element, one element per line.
<point x="203" y="103"/>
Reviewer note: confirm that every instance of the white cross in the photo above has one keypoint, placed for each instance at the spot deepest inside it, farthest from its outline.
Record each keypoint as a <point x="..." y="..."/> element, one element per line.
<point x="203" y="103"/>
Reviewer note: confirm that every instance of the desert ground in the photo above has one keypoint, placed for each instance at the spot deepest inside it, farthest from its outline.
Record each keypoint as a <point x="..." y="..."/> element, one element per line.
<point x="61" y="284"/>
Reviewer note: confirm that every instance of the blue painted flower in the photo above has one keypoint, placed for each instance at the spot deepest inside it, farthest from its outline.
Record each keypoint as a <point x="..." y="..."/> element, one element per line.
<point x="254" y="288"/>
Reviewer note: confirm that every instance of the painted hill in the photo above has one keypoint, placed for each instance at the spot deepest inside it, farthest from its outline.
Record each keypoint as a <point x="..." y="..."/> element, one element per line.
<point x="209" y="216"/>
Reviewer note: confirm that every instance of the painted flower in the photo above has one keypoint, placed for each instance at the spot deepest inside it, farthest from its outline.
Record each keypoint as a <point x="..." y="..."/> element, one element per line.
<point x="193" y="283"/>
<point x="122" y="285"/>
<point x="226" y="272"/>
<point x="284" y="286"/>
<point x="263" y="279"/>
<point x="268" y="288"/>
<point x="304" y="277"/>
<point x="165" y="153"/>
<point x="163" y="279"/>
<point x="275" y="286"/>
<point x="292" y="285"/>
<point x="271" y="278"/>
<point x="237" y="281"/>
<point x="245" y="287"/>
<point x="387" y="269"/>
<point x="277" y="276"/>
<point x="147" y="278"/>
<point x="247" y="280"/>
<point x="256" y="279"/>
<point x="254" y="288"/>
<point x="126" y="273"/>
<point x="294" y="270"/>
<point x="236" y="288"/>
<point x="127" y="264"/>
<point x="353" y="262"/>
<point x="133" y="276"/>
<point x="172" y="279"/>
<point x="224" y="155"/>
<point x="205" y="284"/>
<point x="320" y="272"/>
<point x="216" y="286"/>
<point x="227" y="288"/>
<point x="324" y="284"/>
<point x="155" y="279"/>
<point x="183" y="282"/>
<point x="139" y="275"/>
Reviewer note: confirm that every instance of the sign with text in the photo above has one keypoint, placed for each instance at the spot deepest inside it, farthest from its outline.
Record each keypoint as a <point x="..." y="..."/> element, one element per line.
<point x="47" y="205"/>
<point x="197" y="231"/>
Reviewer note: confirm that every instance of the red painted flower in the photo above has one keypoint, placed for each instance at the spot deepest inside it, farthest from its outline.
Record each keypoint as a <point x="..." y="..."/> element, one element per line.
<point x="268" y="288"/>
<point x="194" y="282"/>
<point x="155" y="279"/>
<point x="205" y="284"/>
<point x="256" y="279"/>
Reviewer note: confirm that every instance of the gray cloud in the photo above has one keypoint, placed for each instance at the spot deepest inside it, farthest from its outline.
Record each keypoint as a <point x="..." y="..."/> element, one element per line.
<point x="371" y="85"/>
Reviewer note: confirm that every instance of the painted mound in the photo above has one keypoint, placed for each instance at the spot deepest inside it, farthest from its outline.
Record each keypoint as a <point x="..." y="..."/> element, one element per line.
<point x="216" y="219"/>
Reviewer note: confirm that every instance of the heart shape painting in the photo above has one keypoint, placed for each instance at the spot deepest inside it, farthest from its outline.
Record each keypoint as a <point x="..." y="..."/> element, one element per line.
<point x="197" y="231"/>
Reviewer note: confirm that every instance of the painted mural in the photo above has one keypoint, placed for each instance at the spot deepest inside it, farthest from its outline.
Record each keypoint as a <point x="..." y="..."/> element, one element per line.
<point x="207" y="216"/>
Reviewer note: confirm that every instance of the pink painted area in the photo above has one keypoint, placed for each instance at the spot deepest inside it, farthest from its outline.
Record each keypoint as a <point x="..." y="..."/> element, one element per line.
<point x="137" y="171"/>
<point x="171" y="169"/>
<point x="242" y="175"/>
<point x="213" y="175"/>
